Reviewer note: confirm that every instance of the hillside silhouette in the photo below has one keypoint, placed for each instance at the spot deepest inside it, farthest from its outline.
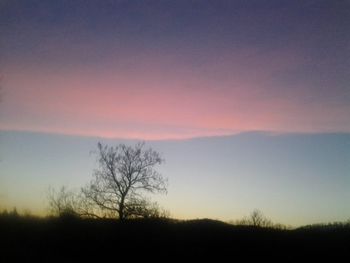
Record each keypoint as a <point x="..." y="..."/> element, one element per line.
<point x="72" y="239"/>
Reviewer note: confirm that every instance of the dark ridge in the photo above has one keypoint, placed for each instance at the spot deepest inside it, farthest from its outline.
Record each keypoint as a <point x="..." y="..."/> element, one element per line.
<point x="79" y="240"/>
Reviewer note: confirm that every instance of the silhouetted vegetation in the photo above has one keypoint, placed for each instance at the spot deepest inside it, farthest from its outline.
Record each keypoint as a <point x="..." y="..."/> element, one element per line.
<point x="256" y="219"/>
<point x="259" y="220"/>
<point x="117" y="190"/>
<point x="62" y="202"/>
<point x="124" y="174"/>
<point x="71" y="239"/>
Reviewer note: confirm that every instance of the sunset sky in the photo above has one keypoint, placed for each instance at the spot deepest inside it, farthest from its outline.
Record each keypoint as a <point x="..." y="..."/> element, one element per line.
<point x="173" y="71"/>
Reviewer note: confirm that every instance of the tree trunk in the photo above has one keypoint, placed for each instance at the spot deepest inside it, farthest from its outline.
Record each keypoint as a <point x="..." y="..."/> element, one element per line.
<point x="121" y="209"/>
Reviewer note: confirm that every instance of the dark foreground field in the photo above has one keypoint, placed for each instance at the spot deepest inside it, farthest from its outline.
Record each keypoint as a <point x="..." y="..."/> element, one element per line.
<point x="76" y="240"/>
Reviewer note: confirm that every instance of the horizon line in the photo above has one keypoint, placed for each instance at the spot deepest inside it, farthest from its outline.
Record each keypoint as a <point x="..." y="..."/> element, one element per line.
<point x="184" y="138"/>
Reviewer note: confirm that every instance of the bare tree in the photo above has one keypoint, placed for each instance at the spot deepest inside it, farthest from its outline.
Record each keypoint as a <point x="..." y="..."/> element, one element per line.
<point x="256" y="219"/>
<point x="125" y="173"/>
<point x="62" y="202"/>
<point x="66" y="202"/>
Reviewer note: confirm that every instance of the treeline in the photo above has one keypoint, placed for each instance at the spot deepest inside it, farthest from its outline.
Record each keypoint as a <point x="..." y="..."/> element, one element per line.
<point x="256" y="220"/>
<point x="26" y="238"/>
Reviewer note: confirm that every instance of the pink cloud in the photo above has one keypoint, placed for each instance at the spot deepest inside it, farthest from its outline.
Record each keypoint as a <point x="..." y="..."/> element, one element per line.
<point x="156" y="101"/>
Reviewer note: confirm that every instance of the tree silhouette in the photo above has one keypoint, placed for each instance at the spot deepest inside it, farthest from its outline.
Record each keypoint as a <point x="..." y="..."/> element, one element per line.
<point x="257" y="219"/>
<point x="125" y="173"/>
<point x="62" y="202"/>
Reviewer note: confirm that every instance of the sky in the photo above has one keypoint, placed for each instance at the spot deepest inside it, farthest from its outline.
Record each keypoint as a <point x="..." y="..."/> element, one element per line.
<point x="294" y="179"/>
<point x="172" y="72"/>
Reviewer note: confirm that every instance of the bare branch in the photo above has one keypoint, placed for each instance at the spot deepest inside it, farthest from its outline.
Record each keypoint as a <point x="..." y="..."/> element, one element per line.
<point x="124" y="173"/>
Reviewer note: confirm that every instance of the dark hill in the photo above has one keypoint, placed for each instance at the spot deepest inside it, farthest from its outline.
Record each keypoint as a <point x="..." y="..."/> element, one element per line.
<point x="74" y="239"/>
